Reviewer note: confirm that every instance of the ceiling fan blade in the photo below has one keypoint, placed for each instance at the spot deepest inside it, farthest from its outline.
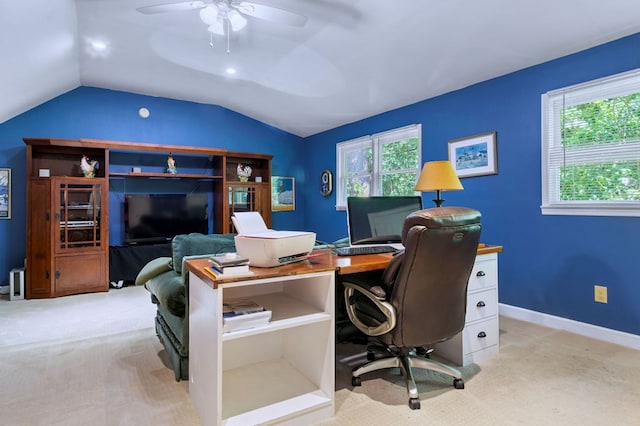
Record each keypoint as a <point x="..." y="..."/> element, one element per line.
<point x="269" y="13"/>
<point x="171" y="7"/>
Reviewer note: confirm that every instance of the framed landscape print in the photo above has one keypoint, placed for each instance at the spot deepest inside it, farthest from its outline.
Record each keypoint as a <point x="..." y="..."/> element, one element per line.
<point x="474" y="155"/>
<point x="5" y="193"/>
<point x="283" y="197"/>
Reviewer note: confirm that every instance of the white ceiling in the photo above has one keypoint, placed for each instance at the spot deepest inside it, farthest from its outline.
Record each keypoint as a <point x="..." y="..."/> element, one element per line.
<point x="351" y="60"/>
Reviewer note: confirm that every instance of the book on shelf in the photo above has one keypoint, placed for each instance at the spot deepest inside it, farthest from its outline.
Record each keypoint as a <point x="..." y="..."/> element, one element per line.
<point x="241" y="314"/>
<point x="247" y="321"/>
<point x="234" y="307"/>
<point x="229" y="264"/>
<point x="229" y="259"/>
<point x="230" y="269"/>
<point x="219" y="275"/>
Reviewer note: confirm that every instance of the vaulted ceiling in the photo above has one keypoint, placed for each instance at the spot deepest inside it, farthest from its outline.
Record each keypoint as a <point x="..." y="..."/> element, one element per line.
<point x="352" y="59"/>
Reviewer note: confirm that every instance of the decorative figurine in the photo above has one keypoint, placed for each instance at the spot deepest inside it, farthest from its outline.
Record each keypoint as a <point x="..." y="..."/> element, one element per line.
<point x="88" y="167"/>
<point x="171" y="165"/>
<point x="244" y="172"/>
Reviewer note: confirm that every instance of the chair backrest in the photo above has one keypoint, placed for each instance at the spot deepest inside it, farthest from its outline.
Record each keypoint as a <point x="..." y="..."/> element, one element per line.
<point x="430" y="289"/>
<point x="195" y="244"/>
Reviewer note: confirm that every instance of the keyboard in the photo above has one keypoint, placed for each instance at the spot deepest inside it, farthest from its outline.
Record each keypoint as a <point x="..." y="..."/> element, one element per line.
<point x="355" y="251"/>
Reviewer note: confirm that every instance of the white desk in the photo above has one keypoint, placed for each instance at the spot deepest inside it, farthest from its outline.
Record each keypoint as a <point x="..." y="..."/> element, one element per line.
<point x="283" y="372"/>
<point x="479" y="340"/>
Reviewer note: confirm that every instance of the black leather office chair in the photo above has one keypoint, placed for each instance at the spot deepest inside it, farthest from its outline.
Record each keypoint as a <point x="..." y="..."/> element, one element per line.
<point x="421" y="298"/>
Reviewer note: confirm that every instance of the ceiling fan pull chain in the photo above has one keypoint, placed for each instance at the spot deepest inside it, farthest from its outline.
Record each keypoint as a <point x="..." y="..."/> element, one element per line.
<point x="210" y="39"/>
<point x="228" y="44"/>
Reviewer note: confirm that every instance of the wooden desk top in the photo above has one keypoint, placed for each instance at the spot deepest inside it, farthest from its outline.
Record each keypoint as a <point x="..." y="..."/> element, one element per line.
<point x="318" y="261"/>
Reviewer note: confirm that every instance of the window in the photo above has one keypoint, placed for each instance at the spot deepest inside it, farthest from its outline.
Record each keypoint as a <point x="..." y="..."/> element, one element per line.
<point x="591" y="148"/>
<point x="386" y="164"/>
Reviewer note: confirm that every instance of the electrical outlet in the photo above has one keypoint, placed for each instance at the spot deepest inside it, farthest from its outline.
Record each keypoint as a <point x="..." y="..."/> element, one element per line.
<point x="600" y="293"/>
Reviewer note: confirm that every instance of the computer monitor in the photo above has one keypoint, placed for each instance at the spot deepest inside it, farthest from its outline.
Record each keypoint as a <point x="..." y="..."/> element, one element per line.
<point x="379" y="220"/>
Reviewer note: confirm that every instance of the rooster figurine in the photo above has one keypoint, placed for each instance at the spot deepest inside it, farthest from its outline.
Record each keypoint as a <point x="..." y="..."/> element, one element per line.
<point x="88" y="167"/>
<point x="171" y="165"/>
<point x="243" y="172"/>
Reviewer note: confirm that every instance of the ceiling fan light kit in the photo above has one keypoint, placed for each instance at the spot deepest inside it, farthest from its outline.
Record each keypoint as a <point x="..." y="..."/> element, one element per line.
<point x="223" y="16"/>
<point x="215" y="15"/>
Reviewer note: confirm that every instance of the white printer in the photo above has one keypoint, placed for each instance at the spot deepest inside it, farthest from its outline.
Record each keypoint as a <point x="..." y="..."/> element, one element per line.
<point x="266" y="248"/>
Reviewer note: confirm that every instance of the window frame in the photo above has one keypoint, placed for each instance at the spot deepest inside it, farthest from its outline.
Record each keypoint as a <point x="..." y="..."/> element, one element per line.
<point x="552" y="105"/>
<point x="376" y="141"/>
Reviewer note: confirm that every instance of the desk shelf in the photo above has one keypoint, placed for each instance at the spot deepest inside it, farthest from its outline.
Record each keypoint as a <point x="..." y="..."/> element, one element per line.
<point x="282" y="385"/>
<point x="270" y="373"/>
<point x="286" y="312"/>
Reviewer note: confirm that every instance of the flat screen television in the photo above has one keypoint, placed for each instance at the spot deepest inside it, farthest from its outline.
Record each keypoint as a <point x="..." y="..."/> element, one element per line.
<point x="379" y="220"/>
<point x="157" y="218"/>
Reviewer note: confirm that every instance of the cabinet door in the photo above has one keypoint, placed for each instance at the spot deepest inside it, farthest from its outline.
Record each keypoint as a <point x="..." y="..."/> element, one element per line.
<point x="79" y="274"/>
<point x="39" y="239"/>
<point x="78" y="219"/>
<point x="247" y="197"/>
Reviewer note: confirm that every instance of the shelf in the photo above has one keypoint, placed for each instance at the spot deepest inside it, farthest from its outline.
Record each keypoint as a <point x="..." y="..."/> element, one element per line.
<point x="244" y="400"/>
<point x="286" y="312"/>
<point x="164" y="175"/>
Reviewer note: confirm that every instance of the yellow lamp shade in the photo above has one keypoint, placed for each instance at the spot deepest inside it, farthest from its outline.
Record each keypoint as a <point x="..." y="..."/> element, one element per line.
<point x="438" y="176"/>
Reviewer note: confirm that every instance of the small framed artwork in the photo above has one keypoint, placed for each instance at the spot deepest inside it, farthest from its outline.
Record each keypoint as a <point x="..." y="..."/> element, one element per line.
<point x="5" y="193"/>
<point x="474" y="155"/>
<point x="283" y="196"/>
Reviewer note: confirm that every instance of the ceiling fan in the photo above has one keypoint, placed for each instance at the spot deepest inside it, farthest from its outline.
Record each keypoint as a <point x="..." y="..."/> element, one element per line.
<point x="224" y="16"/>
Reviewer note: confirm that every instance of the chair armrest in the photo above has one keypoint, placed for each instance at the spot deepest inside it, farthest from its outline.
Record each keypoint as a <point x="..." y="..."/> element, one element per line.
<point x="169" y="291"/>
<point x="153" y="269"/>
<point x="373" y="293"/>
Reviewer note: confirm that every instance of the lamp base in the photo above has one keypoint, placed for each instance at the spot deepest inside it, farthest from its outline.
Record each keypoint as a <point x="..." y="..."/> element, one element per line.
<point x="438" y="200"/>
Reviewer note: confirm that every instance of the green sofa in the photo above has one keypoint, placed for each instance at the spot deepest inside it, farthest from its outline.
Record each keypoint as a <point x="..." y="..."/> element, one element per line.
<point x="167" y="281"/>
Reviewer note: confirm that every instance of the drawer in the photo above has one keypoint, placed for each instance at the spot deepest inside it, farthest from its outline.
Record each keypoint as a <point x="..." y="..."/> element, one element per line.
<point x="484" y="273"/>
<point x="480" y="335"/>
<point x="482" y="304"/>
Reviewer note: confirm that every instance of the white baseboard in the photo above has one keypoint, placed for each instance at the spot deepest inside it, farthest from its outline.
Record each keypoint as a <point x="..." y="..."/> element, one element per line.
<point x="596" y="332"/>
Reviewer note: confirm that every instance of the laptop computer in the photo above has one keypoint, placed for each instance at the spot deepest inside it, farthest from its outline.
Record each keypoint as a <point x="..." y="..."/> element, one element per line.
<point x="378" y="221"/>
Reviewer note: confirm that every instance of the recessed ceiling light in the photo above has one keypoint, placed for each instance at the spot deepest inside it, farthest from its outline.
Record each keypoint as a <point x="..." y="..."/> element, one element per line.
<point x="98" y="45"/>
<point x="231" y="70"/>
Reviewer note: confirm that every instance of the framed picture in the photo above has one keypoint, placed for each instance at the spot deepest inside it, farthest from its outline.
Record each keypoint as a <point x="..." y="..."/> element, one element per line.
<point x="283" y="196"/>
<point x="474" y="155"/>
<point x="5" y="193"/>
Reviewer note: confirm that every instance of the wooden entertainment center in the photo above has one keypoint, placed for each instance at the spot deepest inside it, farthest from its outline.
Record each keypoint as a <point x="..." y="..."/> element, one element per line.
<point x="68" y="214"/>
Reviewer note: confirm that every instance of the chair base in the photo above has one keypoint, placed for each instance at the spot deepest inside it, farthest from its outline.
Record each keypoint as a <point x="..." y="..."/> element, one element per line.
<point x="406" y="360"/>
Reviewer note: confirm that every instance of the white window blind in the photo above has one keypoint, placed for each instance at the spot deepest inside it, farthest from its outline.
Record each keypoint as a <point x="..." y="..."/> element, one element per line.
<point x="591" y="148"/>
<point x="386" y="163"/>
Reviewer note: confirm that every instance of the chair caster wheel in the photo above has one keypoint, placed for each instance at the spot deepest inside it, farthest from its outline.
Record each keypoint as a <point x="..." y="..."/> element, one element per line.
<point x="458" y="383"/>
<point x="355" y="381"/>
<point x="414" y="403"/>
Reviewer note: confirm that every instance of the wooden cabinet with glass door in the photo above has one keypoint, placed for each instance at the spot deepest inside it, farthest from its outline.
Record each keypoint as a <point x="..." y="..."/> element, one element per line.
<point x="68" y="237"/>
<point x="247" y="186"/>
<point x="67" y="218"/>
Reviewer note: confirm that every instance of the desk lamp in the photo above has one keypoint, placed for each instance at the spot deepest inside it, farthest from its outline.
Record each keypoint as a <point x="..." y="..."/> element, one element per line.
<point x="438" y="176"/>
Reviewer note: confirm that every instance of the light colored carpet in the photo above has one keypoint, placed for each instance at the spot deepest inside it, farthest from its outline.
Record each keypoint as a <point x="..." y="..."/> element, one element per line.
<point x="75" y="317"/>
<point x="114" y="372"/>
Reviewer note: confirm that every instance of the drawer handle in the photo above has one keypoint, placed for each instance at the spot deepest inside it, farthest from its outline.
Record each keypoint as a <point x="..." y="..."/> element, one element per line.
<point x="480" y="274"/>
<point x="482" y="335"/>
<point x="480" y="304"/>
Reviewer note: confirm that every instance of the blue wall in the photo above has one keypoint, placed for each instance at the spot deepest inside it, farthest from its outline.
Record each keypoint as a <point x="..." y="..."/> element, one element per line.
<point x="550" y="263"/>
<point x="105" y="114"/>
